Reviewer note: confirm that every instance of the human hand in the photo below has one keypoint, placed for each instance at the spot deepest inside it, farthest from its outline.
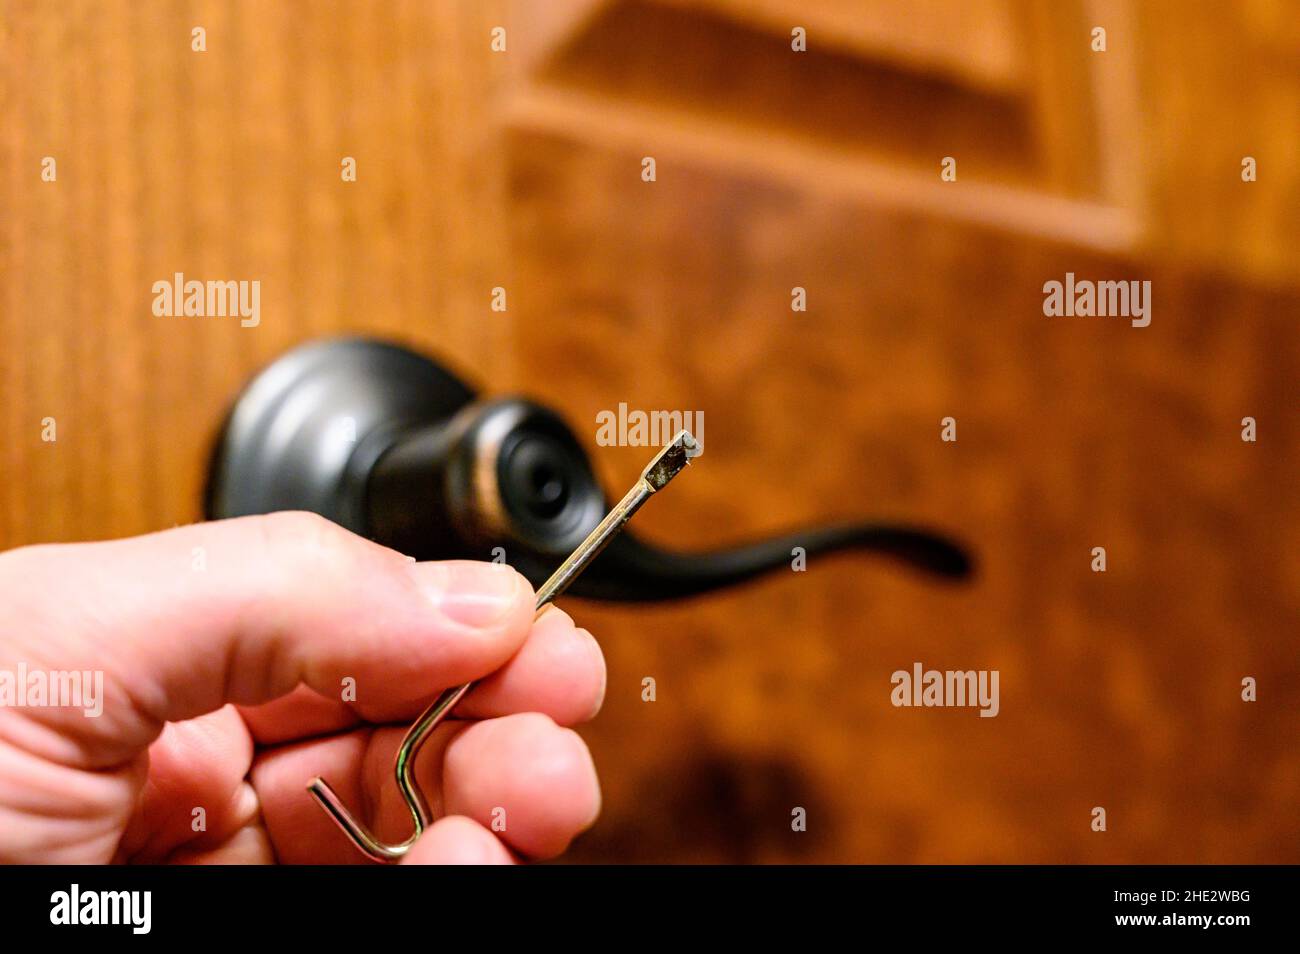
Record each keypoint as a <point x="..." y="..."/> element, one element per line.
<point x="225" y="649"/>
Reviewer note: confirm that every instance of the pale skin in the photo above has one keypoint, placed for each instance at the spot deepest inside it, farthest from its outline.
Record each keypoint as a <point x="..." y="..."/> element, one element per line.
<point x="227" y="649"/>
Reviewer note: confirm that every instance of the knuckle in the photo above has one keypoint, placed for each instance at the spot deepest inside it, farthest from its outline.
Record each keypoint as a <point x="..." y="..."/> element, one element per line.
<point x="300" y="530"/>
<point x="305" y="542"/>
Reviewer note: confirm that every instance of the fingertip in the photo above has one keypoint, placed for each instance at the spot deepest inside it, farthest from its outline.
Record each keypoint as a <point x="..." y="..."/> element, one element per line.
<point x="595" y="800"/>
<point x="602" y="672"/>
<point x="539" y="778"/>
<point x="575" y="666"/>
<point x="560" y="671"/>
<point x="457" y="840"/>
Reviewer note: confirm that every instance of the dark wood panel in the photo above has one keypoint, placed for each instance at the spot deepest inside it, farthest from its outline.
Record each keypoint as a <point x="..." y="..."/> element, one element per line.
<point x="1119" y="689"/>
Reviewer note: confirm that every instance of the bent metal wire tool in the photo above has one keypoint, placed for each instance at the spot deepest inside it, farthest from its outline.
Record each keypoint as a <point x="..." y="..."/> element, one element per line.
<point x="667" y="464"/>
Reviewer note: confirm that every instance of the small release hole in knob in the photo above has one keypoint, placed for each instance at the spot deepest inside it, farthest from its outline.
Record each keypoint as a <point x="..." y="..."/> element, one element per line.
<point x="549" y="491"/>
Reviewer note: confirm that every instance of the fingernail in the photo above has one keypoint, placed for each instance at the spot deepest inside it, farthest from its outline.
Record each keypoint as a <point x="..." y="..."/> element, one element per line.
<point x="475" y="594"/>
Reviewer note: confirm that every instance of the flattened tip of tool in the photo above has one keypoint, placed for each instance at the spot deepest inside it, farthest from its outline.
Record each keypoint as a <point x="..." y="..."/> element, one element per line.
<point x="668" y="463"/>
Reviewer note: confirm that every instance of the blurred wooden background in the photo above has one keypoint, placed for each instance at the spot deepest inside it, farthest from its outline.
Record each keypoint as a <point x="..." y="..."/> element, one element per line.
<point x="522" y="169"/>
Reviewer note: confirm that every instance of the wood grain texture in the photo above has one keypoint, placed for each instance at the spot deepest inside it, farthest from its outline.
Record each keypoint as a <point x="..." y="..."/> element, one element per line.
<point x="225" y="164"/>
<point x="1118" y="689"/>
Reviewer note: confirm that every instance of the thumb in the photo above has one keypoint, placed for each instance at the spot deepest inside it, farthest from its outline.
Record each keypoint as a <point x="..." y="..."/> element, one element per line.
<point x="181" y="622"/>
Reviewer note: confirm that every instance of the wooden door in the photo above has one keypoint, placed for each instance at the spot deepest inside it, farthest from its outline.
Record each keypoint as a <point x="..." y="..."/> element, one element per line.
<point x="775" y="169"/>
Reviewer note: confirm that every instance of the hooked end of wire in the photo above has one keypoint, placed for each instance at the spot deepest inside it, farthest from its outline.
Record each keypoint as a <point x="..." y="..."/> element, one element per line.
<point x="367" y="843"/>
